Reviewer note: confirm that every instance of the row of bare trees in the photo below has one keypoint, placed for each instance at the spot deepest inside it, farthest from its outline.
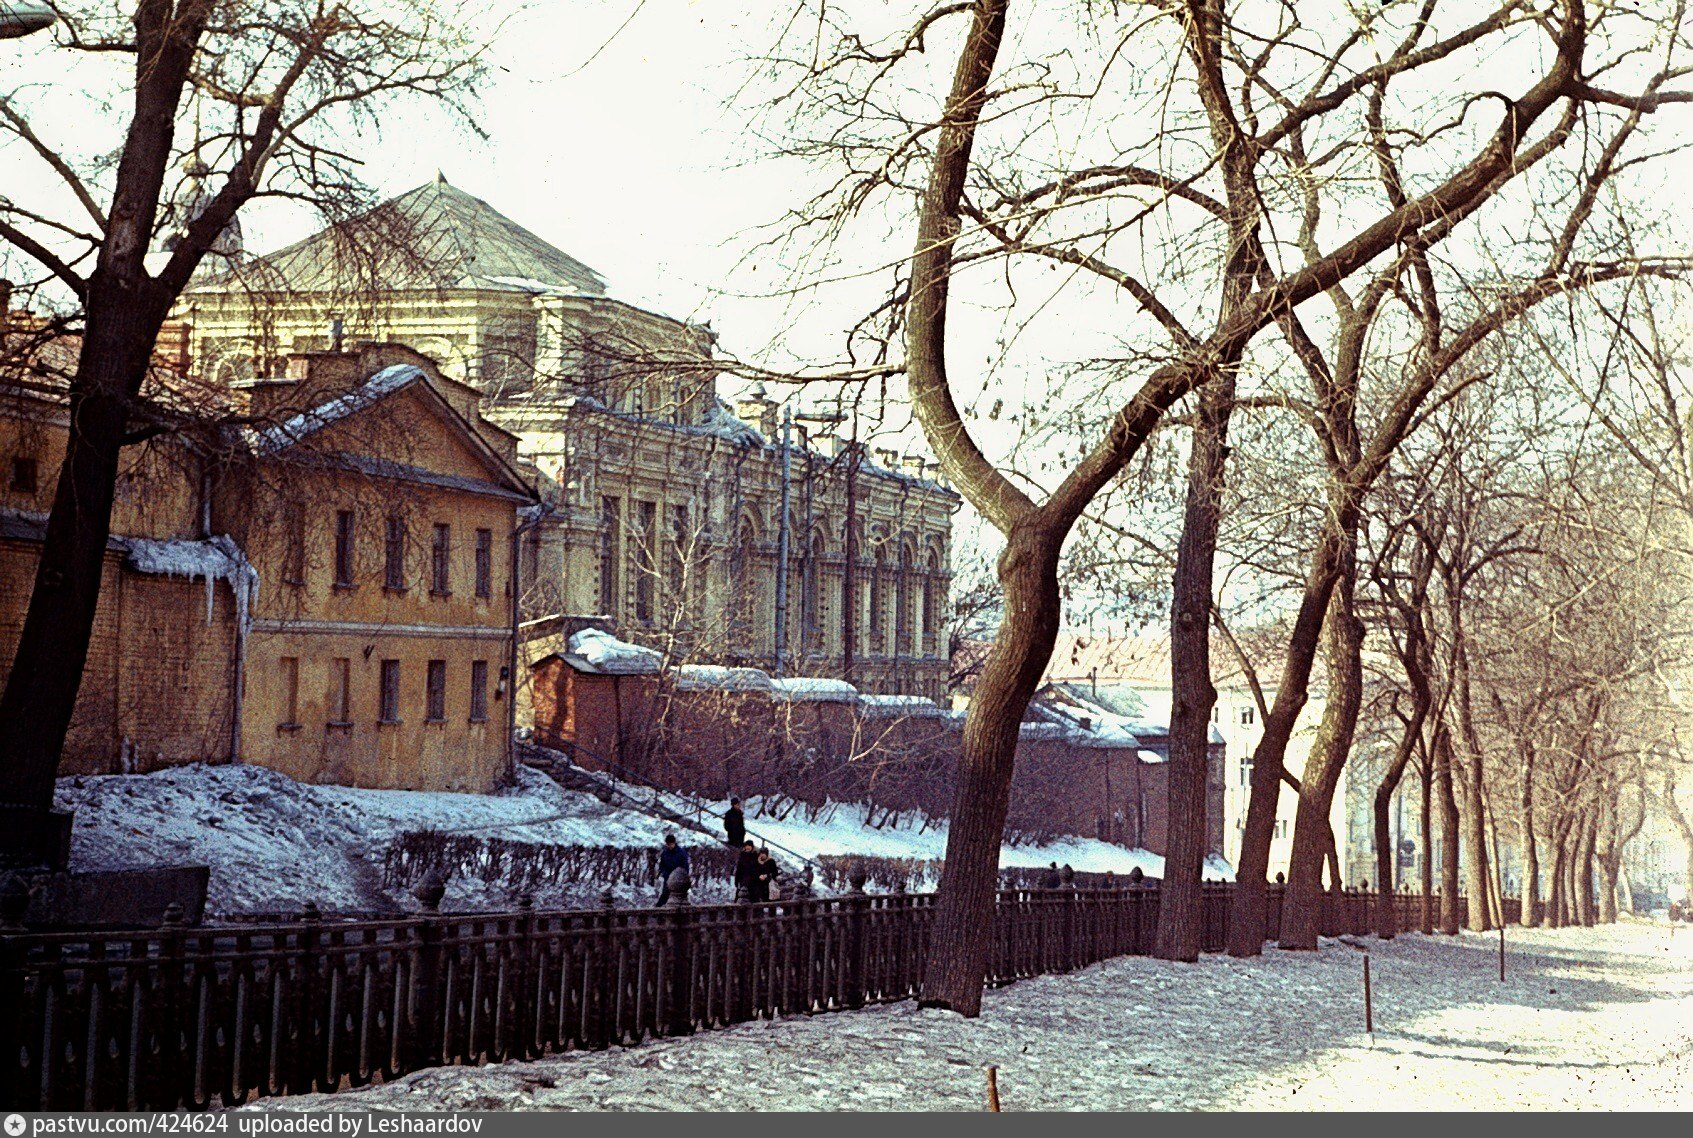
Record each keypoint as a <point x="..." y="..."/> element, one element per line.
<point x="1187" y="215"/>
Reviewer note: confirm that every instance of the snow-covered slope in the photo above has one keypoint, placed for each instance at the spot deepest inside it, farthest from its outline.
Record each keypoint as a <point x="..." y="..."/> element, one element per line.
<point x="273" y="843"/>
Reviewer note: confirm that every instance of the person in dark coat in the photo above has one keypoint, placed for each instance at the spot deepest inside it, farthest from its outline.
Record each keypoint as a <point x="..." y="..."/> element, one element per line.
<point x="1053" y="879"/>
<point x="734" y="823"/>
<point x="670" y="858"/>
<point x="765" y="871"/>
<point x="746" y="871"/>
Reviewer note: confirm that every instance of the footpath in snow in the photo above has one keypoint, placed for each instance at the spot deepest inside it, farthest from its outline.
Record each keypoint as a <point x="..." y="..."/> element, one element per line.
<point x="274" y="844"/>
<point x="1587" y="1019"/>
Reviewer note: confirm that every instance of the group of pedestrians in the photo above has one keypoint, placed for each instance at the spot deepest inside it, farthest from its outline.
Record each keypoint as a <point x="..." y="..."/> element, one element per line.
<point x="755" y="870"/>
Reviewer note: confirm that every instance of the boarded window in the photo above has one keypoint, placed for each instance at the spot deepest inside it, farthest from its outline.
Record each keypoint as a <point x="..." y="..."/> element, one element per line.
<point x="676" y="565"/>
<point x="288" y="680"/>
<point x="435" y="706"/>
<point x="484" y="562"/>
<point x="344" y="547"/>
<point x="341" y="690"/>
<point x="441" y="559"/>
<point x="394" y="553"/>
<point x="390" y="709"/>
<point x="478" y="691"/>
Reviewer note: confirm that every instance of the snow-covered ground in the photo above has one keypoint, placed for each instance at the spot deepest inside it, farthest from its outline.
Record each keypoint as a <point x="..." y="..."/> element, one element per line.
<point x="1587" y="1019"/>
<point x="273" y="843"/>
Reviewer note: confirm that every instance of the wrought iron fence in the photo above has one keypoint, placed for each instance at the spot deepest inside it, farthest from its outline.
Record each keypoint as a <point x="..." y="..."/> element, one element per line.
<point x="196" y="1017"/>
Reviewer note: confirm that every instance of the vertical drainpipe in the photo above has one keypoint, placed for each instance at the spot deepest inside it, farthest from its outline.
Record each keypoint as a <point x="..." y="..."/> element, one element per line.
<point x="783" y="541"/>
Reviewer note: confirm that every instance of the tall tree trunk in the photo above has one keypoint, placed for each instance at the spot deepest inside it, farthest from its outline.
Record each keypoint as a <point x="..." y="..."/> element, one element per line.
<point x="1584" y="874"/>
<point x="1449" y="831"/>
<point x="1247" y="910"/>
<point x="46" y="673"/>
<point x="964" y="904"/>
<point x="1427" y="908"/>
<point x="1312" y="834"/>
<point x="1476" y="863"/>
<point x="1387" y="857"/>
<point x="1180" y="907"/>
<point x="1531" y="910"/>
<point x="1557" y="904"/>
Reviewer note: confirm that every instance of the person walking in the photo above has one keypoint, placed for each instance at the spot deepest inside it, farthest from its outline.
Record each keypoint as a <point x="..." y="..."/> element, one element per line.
<point x="671" y="857"/>
<point x="746" y="871"/>
<point x="765" y="872"/>
<point x="734" y="824"/>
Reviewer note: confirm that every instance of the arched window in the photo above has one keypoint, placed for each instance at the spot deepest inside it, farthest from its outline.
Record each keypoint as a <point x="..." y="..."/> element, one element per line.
<point x="905" y="602"/>
<point x="879" y="602"/>
<point x="745" y="599"/>
<point x="934" y="599"/>
<point x="811" y="596"/>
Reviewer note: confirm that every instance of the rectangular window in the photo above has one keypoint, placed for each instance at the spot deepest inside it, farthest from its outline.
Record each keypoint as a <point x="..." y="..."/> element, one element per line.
<point x="293" y="544"/>
<point x="478" y="691"/>
<point x="340" y="691"/>
<point x="1246" y="772"/>
<point x="676" y="564"/>
<point x="440" y="561"/>
<point x="646" y="537"/>
<point x="611" y="553"/>
<point x="24" y="475"/>
<point x="344" y="547"/>
<point x="1246" y="716"/>
<point x="288" y="675"/>
<point x="390" y="710"/>
<point x="394" y="554"/>
<point x="435" y="707"/>
<point x="484" y="562"/>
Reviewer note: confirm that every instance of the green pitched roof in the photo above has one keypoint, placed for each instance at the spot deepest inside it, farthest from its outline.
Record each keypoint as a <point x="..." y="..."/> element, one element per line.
<point x="435" y="236"/>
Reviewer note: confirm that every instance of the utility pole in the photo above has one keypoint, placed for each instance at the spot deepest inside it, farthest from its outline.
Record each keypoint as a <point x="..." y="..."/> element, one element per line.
<point x="783" y="541"/>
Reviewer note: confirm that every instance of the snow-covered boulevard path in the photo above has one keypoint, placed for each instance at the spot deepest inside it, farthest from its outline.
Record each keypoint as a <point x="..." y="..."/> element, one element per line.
<point x="1586" y="1019"/>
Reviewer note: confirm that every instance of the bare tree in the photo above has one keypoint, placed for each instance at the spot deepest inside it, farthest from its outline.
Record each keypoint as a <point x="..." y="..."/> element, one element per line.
<point x="275" y="91"/>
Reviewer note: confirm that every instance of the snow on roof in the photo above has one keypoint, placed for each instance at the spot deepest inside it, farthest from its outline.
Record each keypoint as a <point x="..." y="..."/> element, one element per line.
<point x="720" y="419"/>
<point x="213" y="558"/>
<point x="1147" y="756"/>
<point x="612" y="656"/>
<point x="715" y="677"/>
<point x="285" y="434"/>
<point x="812" y="689"/>
<point x="1041" y="731"/>
<point x="891" y="706"/>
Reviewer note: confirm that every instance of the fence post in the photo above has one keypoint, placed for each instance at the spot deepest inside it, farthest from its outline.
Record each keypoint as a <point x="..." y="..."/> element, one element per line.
<point x="305" y="1007"/>
<point x="1069" y="943"/>
<point x="857" y="905"/>
<point x="681" y="957"/>
<point x="523" y="1045"/>
<point x="423" y="1049"/>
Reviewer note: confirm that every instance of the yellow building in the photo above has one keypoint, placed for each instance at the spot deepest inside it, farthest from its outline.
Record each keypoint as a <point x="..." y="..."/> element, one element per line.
<point x="665" y="505"/>
<point x="325" y="590"/>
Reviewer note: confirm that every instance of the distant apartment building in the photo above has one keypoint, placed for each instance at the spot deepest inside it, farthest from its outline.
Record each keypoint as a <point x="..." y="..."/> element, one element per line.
<point x="735" y="535"/>
<point x="313" y="573"/>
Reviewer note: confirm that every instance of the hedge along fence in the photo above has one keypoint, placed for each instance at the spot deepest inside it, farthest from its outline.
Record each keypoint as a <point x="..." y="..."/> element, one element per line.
<point x="530" y="867"/>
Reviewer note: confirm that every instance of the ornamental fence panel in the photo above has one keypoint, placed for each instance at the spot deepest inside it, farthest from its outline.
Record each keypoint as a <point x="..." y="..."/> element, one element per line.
<point x="178" y="1017"/>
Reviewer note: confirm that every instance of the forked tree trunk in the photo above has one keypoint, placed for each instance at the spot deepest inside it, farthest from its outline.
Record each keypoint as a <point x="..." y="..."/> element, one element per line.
<point x="1180" y="907"/>
<point x="959" y="939"/>
<point x="1477" y="863"/>
<point x="1449" y="832"/>
<point x="1557" y="912"/>
<point x="1313" y="837"/>
<point x="1584" y="875"/>
<point x="1247" y="910"/>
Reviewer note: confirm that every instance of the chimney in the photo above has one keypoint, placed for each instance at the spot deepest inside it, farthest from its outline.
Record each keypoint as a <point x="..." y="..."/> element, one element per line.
<point x="757" y="408"/>
<point x="913" y="465"/>
<point x="170" y="350"/>
<point x="888" y="458"/>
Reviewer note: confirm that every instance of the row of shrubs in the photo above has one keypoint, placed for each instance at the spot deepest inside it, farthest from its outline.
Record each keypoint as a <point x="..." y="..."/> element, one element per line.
<point x="520" y="867"/>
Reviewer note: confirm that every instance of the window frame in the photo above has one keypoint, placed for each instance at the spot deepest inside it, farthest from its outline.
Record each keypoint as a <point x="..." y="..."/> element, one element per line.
<point x="435" y="692"/>
<point x="388" y="699"/>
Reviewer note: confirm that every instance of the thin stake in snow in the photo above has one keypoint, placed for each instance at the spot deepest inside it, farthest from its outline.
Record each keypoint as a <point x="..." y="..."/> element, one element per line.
<point x="1369" y="1006"/>
<point x="993" y="1088"/>
<point x="1501" y="952"/>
